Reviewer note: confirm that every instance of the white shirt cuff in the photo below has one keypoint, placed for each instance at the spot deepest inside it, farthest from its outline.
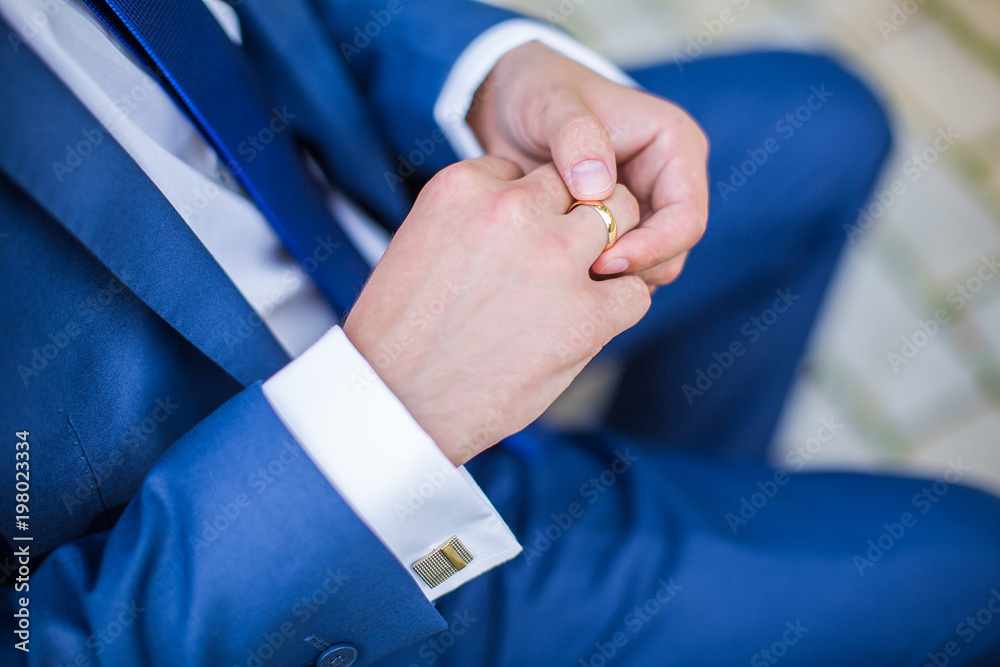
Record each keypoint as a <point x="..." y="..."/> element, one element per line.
<point x="383" y="464"/>
<point x="481" y="56"/>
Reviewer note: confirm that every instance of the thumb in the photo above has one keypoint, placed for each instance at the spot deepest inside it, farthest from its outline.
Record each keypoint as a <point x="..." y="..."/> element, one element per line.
<point x="581" y="149"/>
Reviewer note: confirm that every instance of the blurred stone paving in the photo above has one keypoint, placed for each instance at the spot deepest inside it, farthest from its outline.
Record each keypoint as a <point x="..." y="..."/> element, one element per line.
<point x="907" y="352"/>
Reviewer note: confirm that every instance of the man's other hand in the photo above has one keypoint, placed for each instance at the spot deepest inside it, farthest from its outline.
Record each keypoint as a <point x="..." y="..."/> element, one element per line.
<point x="483" y="308"/>
<point x="538" y="106"/>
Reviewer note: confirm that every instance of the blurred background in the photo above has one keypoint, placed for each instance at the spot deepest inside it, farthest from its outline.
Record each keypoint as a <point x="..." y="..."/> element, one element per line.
<point x="936" y="64"/>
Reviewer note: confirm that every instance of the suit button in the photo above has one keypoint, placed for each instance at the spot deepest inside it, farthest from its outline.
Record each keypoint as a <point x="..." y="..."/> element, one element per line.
<point x="341" y="655"/>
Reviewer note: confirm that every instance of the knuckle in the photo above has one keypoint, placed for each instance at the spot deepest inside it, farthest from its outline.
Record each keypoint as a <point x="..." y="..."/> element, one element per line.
<point x="640" y="295"/>
<point x="671" y="271"/>
<point x="455" y="177"/>
<point x="627" y="204"/>
<point x="702" y="228"/>
<point x="632" y="296"/>
<point x="635" y="299"/>
<point x="510" y="206"/>
<point x="691" y="127"/>
<point x="700" y="224"/>
<point x="698" y="228"/>
<point x="508" y="201"/>
<point x="672" y="274"/>
<point x="702" y="139"/>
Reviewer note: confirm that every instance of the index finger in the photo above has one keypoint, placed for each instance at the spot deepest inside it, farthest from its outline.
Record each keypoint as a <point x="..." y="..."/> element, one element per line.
<point x="547" y="189"/>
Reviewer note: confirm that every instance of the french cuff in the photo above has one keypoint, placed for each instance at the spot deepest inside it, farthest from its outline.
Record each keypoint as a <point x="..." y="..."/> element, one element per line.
<point x="481" y="56"/>
<point x="426" y="511"/>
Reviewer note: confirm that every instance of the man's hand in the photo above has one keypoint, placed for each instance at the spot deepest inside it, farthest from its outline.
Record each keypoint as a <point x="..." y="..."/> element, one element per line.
<point x="483" y="310"/>
<point x="538" y="106"/>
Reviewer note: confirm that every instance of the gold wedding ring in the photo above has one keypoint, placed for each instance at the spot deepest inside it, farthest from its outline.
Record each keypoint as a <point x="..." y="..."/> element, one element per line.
<point x="605" y="213"/>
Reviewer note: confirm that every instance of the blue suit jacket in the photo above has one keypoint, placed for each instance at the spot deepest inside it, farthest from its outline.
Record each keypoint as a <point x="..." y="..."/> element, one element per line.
<point x="173" y="517"/>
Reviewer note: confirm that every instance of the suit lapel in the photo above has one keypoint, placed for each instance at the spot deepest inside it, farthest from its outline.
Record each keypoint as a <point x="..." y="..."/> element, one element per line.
<point x="302" y="69"/>
<point x="111" y="207"/>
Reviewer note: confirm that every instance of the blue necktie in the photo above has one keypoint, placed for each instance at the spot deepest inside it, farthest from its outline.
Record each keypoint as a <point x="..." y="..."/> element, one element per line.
<point x="181" y="44"/>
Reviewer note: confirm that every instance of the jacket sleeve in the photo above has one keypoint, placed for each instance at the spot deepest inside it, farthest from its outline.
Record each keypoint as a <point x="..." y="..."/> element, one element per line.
<point x="400" y="53"/>
<point x="236" y="550"/>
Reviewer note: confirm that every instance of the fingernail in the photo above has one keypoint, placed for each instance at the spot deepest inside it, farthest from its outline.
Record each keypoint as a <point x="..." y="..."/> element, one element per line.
<point x="617" y="265"/>
<point x="591" y="177"/>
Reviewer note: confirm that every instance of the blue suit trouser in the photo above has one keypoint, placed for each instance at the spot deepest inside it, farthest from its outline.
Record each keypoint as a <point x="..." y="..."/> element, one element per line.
<point x="664" y="539"/>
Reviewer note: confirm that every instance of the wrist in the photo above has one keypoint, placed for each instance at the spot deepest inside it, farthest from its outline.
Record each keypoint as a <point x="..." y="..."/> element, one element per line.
<point x="404" y="382"/>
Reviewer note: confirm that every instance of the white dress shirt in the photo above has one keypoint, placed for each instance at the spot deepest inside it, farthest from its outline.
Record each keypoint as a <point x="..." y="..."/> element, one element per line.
<point x="350" y="424"/>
